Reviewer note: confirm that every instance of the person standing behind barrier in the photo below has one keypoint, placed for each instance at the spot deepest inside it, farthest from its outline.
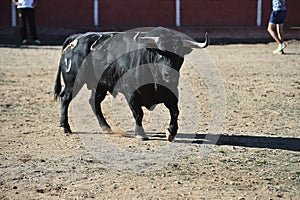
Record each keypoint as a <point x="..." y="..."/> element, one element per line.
<point x="26" y="15"/>
<point x="275" y="27"/>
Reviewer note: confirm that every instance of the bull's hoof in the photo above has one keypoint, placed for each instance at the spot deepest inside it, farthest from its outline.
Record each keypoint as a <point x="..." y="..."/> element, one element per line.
<point x="141" y="135"/>
<point x="67" y="130"/>
<point x="106" y="129"/>
<point x="170" y="137"/>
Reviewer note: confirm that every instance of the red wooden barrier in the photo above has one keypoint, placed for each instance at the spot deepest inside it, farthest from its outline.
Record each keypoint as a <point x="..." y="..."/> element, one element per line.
<point x="136" y="13"/>
<point x="218" y="13"/>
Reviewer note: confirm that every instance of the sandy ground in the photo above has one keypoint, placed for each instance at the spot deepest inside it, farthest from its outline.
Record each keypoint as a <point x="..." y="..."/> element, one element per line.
<point x="254" y="153"/>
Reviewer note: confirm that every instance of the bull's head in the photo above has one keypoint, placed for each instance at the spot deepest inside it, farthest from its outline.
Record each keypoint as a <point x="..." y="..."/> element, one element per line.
<point x="166" y="40"/>
<point x="171" y="47"/>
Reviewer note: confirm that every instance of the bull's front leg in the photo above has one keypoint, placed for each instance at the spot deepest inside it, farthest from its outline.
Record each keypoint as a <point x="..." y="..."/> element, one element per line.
<point x="173" y="126"/>
<point x="138" y="115"/>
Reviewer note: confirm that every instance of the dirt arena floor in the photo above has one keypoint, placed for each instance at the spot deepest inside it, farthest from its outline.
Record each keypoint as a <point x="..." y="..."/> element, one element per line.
<point x="256" y="154"/>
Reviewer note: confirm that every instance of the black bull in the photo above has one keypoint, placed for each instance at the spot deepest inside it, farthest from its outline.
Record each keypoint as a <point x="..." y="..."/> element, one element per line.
<point x="143" y="66"/>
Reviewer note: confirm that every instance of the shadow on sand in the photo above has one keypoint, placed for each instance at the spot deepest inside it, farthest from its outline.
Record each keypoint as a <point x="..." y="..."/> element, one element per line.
<point x="283" y="143"/>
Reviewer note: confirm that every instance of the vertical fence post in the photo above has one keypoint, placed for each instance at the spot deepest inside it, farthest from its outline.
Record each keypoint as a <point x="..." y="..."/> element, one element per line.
<point x="13" y="15"/>
<point x="259" y="13"/>
<point x="96" y="19"/>
<point x="178" y="13"/>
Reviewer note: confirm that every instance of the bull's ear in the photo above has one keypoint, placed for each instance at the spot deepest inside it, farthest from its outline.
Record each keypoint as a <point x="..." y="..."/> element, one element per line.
<point x="145" y="39"/>
<point x="186" y="50"/>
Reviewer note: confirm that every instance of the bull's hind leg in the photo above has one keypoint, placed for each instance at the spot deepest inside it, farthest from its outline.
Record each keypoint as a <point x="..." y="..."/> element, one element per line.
<point x="70" y="91"/>
<point x="66" y="98"/>
<point x="173" y="127"/>
<point x="138" y="115"/>
<point x="95" y="101"/>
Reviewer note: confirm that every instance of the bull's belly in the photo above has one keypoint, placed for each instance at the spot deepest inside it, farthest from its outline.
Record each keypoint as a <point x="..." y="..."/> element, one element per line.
<point x="149" y="96"/>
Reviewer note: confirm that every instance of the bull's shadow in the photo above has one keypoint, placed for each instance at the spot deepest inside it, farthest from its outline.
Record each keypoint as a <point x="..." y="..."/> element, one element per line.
<point x="280" y="143"/>
<point x="283" y="143"/>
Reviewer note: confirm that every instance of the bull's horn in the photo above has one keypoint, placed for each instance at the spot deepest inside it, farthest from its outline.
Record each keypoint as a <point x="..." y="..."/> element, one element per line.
<point x="144" y="39"/>
<point x="193" y="44"/>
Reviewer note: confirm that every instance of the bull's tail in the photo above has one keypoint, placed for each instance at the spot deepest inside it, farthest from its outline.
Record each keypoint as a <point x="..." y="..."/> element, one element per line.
<point x="57" y="86"/>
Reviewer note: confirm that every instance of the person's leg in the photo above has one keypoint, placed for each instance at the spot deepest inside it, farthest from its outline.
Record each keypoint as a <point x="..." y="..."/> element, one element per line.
<point x="275" y="28"/>
<point x="31" y="20"/>
<point x="279" y="28"/>
<point x="22" y="24"/>
<point x="273" y="33"/>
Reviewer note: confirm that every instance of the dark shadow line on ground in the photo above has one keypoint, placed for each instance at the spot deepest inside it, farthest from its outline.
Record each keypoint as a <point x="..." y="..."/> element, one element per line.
<point x="89" y="133"/>
<point x="291" y="54"/>
<point x="283" y="143"/>
<point x="39" y="47"/>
